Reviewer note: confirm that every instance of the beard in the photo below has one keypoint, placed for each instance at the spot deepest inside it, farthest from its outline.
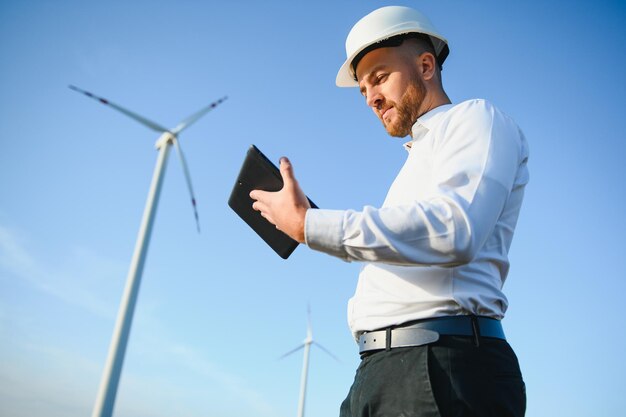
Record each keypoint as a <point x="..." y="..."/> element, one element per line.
<point x="407" y="110"/>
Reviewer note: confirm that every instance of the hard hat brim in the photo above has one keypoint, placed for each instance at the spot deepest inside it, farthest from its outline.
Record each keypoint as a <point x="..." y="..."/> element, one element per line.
<point x="345" y="75"/>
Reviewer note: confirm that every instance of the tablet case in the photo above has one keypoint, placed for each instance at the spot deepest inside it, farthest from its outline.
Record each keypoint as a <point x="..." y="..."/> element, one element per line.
<point x="259" y="173"/>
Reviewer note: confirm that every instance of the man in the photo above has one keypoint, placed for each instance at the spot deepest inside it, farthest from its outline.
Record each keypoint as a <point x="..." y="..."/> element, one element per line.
<point x="428" y="304"/>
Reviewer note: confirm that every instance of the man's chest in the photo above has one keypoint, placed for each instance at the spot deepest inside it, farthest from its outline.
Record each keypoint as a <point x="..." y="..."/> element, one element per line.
<point x="415" y="179"/>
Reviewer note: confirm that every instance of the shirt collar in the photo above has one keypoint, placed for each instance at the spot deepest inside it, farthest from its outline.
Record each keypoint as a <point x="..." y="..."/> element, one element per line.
<point x="424" y="123"/>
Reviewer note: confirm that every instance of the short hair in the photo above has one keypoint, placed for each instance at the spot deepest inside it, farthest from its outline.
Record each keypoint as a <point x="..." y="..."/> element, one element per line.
<point x="397" y="40"/>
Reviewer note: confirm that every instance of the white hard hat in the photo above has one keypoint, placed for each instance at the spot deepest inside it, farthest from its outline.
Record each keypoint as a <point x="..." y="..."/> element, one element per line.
<point x="380" y="25"/>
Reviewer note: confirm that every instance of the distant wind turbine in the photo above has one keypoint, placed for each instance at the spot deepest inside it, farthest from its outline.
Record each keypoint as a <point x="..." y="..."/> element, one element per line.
<point x="111" y="375"/>
<point x="306" y="344"/>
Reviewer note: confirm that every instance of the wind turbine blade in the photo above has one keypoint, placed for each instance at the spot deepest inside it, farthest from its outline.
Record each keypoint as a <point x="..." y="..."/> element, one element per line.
<point x="194" y="117"/>
<point x="148" y="123"/>
<point x="327" y="351"/>
<point x="291" y="351"/>
<point x="183" y="162"/>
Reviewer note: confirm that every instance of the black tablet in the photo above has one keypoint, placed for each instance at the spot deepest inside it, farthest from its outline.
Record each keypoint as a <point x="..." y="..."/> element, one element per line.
<point x="259" y="173"/>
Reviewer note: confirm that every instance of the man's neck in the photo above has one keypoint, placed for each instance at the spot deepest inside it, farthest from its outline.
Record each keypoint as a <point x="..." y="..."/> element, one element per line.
<point x="433" y="100"/>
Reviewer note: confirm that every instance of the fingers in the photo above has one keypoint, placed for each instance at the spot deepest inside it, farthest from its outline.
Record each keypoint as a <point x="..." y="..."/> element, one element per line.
<point x="259" y="195"/>
<point x="258" y="206"/>
<point x="286" y="171"/>
<point x="261" y="206"/>
<point x="286" y="208"/>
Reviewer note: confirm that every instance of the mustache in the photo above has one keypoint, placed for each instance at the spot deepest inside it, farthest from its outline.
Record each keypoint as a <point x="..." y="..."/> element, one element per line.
<point x="383" y="107"/>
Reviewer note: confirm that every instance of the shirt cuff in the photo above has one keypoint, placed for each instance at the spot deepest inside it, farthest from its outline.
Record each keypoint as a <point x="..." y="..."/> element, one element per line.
<point x="323" y="231"/>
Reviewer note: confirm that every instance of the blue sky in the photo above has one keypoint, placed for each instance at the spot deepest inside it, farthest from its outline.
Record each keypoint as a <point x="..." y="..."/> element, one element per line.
<point x="216" y="310"/>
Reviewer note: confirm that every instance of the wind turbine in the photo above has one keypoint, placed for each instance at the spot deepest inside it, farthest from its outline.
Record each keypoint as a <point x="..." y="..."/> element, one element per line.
<point x="113" y="368"/>
<point x="306" y="344"/>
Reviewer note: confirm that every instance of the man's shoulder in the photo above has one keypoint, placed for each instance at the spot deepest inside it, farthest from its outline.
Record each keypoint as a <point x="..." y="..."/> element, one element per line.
<point x="475" y="115"/>
<point x="441" y="116"/>
<point x="482" y="119"/>
<point x="469" y="112"/>
<point x="477" y="110"/>
<point x="475" y="105"/>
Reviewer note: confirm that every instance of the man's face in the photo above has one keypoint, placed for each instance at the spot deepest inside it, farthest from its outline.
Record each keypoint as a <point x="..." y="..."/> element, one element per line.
<point x="391" y="85"/>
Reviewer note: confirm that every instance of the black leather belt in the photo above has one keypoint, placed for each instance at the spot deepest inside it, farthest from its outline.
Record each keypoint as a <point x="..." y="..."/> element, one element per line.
<point x="423" y="332"/>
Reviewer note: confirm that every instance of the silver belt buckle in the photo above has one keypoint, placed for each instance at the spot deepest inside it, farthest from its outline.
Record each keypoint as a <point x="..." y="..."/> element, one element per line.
<point x="413" y="337"/>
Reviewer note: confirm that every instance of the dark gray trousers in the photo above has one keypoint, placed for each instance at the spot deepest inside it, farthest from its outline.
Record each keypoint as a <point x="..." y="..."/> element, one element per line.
<point x="449" y="378"/>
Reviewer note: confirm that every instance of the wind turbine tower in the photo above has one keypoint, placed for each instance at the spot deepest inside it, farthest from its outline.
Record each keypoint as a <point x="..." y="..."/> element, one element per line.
<point x="306" y="344"/>
<point x="169" y="137"/>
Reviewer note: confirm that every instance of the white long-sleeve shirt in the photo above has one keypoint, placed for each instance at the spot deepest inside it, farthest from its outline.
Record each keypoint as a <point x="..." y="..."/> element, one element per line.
<point x="439" y="244"/>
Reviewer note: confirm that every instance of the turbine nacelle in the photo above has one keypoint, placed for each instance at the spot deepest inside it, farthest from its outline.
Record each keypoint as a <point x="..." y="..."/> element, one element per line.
<point x="165" y="139"/>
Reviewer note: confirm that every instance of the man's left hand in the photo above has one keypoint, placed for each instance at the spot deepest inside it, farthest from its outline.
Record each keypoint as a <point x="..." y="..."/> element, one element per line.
<point x="285" y="208"/>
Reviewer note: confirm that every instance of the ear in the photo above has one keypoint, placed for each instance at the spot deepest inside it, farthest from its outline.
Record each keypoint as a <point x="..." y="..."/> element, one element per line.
<point x="427" y="65"/>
